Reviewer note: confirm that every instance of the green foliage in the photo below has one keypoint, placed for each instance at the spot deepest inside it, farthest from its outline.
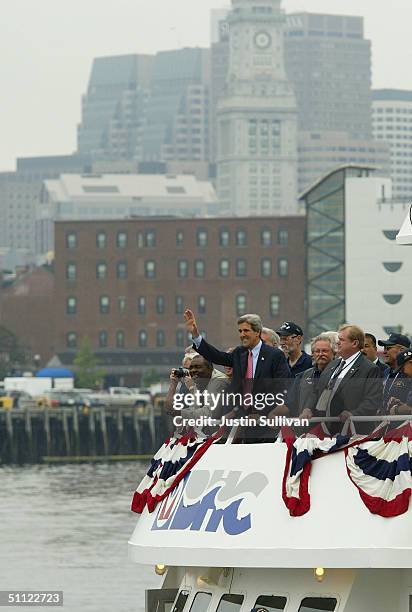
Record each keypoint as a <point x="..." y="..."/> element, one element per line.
<point x="150" y="377"/>
<point x="88" y="375"/>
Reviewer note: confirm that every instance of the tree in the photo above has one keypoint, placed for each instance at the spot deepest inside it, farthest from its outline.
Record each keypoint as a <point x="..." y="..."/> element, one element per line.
<point x="12" y="353"/>
<point x="88" y="374"/>
<point x="150" y="377"/>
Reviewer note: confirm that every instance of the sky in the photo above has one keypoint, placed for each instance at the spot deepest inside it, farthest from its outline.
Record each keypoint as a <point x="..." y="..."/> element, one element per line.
<point x="47" y="48"/>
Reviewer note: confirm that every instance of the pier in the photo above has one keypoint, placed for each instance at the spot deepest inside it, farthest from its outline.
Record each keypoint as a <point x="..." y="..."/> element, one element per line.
<point x="35" y="434"/>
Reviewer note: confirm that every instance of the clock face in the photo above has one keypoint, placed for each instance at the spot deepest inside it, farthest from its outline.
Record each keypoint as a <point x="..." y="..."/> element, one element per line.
<point x="262" y="39"/>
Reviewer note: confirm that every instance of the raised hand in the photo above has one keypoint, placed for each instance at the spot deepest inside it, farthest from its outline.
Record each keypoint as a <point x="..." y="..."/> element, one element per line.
<point x="190" y="321"/>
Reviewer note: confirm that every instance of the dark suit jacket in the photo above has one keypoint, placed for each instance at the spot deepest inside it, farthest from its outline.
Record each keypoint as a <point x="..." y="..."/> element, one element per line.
<point x="272" y="374"/>
<point x="359" y="392"/>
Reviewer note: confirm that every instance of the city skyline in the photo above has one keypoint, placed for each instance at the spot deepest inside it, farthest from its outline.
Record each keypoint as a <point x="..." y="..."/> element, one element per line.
<point x="50" y="56"/>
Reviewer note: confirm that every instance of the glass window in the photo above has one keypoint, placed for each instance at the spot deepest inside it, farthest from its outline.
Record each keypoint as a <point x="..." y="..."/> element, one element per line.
<point x="224" y="268"/>
<point x="199" y="268"/>
<point x="201" y="304"/>
<point x="283" y="267"/>
<point x="160" y="338"/>
<point x="201" y="237"/>
<point x="71" y="271"/>
<point x="224" y="237"/>
<point x="180" y="338"/>
<point x="71" y="240"/>
<point x="101" y="270"/>
<point x="241" y="238"/>
<point x="266" y="267"/>
<point x="140" y="240"/>
<point x="318" y="604"/>
<point x="200" y="602"/>
<point x="150" y="238"/>
<point x="181" y="601"/>
<point x="121" y="303"/>
<point x="141" y="305"/>
<point x="71" y="305"/>
<point x="121" y="240"/>
<point x="150" y="269"/>
<point x="240" y="305"/>
<point x="101" y="240"/>
<point x="160" y="304"/>
<point x="241" y="267"/>
<point x="266" y="237"/>
<point x="283" y="237"/>
<point x="179" y="238"/>
<point x="271" y="602"/>
<point x="71" y="339"/>
<point x="120" y="338"/>
<point x="182" y="268"/>
<point x="142" y="338"/>
<point x="103" y="339"/>
<point x="230" y="603"/>
<point x="122" y="270"/>
<point x="274" y="305"/>
<point x="179" y="303"/>
<point x="104" y="304"/>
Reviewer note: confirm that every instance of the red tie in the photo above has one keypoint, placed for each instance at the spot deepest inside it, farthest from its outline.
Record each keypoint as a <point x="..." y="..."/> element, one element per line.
<point x="249" y="371"/>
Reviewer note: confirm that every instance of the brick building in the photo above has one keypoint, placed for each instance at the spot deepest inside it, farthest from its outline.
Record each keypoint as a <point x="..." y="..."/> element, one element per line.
<point x="125" y="284"/>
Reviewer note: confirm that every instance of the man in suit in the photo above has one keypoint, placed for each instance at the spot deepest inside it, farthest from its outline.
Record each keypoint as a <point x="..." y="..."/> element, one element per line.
<point x="370" y="350"/>
<point x="349" y="386"/>
<point x="257" y="367"/>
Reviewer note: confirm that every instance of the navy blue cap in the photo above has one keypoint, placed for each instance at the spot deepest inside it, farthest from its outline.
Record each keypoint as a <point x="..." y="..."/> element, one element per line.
<point x="403" y="357"/>
<point x="289" y="328"/>
<point x="396" y="339"/>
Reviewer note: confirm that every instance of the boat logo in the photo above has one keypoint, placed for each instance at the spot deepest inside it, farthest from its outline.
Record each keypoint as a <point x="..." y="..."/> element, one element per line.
<point x="208" y="499"/>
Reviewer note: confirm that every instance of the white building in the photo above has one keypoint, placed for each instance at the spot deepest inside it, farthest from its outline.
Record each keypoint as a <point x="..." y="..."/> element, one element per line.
<point x="392" y="123"/>
<point x="378" y="271"/>
<point x="257" y="116"/>
<point x="118" y="196"/>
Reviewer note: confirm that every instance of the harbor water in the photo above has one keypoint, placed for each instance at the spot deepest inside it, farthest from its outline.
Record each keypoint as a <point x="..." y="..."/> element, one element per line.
<point x="65" y="527"/>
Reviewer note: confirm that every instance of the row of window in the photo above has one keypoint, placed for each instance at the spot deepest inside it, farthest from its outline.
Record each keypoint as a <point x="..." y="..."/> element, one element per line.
<point x="233" y="602"/>
<point x="141" y="305"/>
<point x="199" y="269"/>
<point x="182" y="339"/>
<point x="147" y="239"/>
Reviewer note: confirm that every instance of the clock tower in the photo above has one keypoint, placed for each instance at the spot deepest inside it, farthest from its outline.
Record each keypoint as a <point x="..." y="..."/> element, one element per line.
<point x="257" y="116"/>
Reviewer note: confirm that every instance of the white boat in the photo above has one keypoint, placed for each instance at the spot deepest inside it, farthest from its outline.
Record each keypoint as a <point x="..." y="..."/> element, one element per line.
<point x="226" y="542"/>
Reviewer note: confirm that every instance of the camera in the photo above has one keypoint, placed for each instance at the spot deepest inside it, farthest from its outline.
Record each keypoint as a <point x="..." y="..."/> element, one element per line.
<point x="181" y="372"/>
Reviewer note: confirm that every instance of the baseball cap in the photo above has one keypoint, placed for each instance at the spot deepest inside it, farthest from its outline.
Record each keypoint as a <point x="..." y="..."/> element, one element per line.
<point x="289" y="328"/>
<point x="402" y="358"/>
<point x="396" y="339"/>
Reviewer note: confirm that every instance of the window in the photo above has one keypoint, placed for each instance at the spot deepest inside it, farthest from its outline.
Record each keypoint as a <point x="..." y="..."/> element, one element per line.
<point x="120" y="338"/>
<point x="179" y="238"/>
<point x="121" y="240"/>
<point x="150" y="238"/>
<point x="224" y="268"/>
<point x="224" y="237"/>
<point x="318" y="604"/>
<point x="201" y="238"/>
<point x="241" y="238"/>
<point x="160" y="338"/>
<point x="179" y="304"/>
<point x="201" y="304"/>
<point x="240" y="305"/>
<point x="283" y="237"/>
<point x="200" y="602"/>
<point x="182" y="268"/>
<point x="122" y="270"/>
<point x="271" y="602"/>
<point x="71" y="340"/>
<point x="199" y="268"/>
<point x="241" y="267"/>
<point x="283" y="267"/>
<point x="390" y="234"/>
<point x="150" y="269"/>
<point x="181" y="601"/>
<point x="101" y="240"/>
<point x="71" y="240"/>
<point x="104" y="304"/>
<point x="141" y="305"/>
<point x="121" y="303"/>
<point x="71" y="305"/>
<point x="392" y="298"/>
<point x="142" y="338"/>
<point x="230" y="603"/>
<point x="71" y="271"/>
<point x="160" y="304"/>
<point x="101" y="270"/>
<point x="392" y="266"/>
<point x="180" y="338"/>
<point x="140" y="240"/>
<point x="266" y="267"/>
<point x="266" y="238"/>
<point x="103" y="339"/>
<point x="274" y="305"/>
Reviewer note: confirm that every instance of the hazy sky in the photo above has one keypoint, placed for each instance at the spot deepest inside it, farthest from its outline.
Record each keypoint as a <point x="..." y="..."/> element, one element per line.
<point x="47" y="48"/>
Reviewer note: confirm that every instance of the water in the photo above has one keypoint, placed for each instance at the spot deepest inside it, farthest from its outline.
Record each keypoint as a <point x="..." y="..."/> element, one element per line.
<point x="66" y="528"/>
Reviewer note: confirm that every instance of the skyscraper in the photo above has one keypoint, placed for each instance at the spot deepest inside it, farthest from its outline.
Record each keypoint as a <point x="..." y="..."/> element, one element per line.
<point x="256" y="117"/>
